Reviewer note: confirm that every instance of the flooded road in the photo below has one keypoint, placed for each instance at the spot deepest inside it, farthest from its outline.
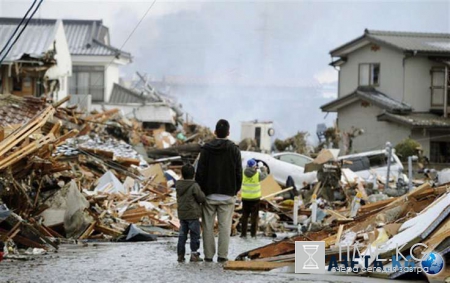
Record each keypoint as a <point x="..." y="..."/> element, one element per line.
<point x="145" y="262"/>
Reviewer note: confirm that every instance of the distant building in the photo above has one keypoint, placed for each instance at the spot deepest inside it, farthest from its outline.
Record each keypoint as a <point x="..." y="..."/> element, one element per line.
<point x="260" y="132"/>
<point x="39" y="63"/>
<point x="394" y="85"/>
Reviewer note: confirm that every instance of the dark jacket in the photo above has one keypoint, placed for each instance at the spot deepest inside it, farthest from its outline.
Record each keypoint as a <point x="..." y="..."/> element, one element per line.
<point x="219" y="169"/>
<point x="189" y="198"/>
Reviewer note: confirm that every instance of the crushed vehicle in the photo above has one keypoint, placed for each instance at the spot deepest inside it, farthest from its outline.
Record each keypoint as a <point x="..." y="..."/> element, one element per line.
<point x="368" y="164"/>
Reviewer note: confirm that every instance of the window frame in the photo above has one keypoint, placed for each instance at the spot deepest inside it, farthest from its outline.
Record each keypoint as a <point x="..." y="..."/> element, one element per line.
<point x="371" y="67"/>
<point x="437" y="69"/>
<point x="287" y="155"/>
<point x="76" y="70"/>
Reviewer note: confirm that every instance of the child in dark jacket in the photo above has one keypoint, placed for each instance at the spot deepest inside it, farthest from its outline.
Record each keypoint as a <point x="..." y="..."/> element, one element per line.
<point x="189" y="198"/>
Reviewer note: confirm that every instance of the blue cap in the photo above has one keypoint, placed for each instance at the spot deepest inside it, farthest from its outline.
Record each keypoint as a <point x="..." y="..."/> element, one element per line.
<point x="251" y="163"/>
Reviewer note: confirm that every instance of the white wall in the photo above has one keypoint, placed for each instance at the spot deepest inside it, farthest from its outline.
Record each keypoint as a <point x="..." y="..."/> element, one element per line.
<point x="418" y="82"/>
<point x="111" y="77"/>
<point x="111" y="69"/>
<point x="376" y="133"/>
<point x="63" y="67"/>
<point x="391" y="70"/>
<point x="248" y="131"/>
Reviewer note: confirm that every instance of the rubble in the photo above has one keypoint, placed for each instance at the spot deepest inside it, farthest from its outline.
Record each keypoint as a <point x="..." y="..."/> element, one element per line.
<point x="66" y="174"/>
<point x="70" y="175"/>
<point x="416" y="217"/>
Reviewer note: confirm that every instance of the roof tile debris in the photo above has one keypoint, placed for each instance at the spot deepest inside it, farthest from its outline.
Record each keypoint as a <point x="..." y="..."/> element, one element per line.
<point x="15" y="110"/>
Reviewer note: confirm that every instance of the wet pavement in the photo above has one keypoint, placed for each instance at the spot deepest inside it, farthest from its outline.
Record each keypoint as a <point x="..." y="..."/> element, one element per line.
<point x="145" y="262"/>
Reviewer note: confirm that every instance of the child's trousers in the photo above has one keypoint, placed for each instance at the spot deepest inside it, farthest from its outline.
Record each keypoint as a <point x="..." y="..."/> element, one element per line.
<point x="186" y="227"/>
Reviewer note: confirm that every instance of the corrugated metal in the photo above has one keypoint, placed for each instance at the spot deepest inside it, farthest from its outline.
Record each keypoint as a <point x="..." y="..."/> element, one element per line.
<point x="35" y="41"/>
<point x="156" y="112"/>
<point x="425" y="42"/>
<point x="122" y="95"/>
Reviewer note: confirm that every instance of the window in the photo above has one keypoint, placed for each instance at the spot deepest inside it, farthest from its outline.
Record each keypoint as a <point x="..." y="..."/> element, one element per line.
<point x="88" y="80"/>
<point x="294" y="159"/>
<point x="439" y="152"/>
<point x="437" y="86"/>
<point x="369" y="74"/>
<point x="258" y="136"/>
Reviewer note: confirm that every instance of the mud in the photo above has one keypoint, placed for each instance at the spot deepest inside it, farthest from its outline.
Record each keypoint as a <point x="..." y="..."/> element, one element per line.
<point x="144" y="262"/>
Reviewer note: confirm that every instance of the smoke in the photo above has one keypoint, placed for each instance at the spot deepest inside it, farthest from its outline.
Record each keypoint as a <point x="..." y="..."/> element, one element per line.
<point x="245" y="60"/>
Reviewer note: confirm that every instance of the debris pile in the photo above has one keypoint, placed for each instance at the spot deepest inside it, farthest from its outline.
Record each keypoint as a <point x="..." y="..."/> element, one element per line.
<point x="66" y="174"/>
<point x="375" y="230"/>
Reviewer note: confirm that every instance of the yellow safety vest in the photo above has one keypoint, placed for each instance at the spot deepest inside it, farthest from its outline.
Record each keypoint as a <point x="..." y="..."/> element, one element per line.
<point x="251" y="188"/>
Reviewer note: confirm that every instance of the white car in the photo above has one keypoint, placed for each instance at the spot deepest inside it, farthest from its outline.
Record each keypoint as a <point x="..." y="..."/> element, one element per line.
<point x="280" y="166"/>
<point x="366" y="164"/>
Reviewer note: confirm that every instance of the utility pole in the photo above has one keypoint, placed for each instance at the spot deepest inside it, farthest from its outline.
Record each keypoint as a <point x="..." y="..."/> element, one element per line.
<point x="389" y="155"/>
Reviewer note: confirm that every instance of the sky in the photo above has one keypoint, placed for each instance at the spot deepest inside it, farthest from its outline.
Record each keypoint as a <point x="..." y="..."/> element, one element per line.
<point x="277" y="43"/>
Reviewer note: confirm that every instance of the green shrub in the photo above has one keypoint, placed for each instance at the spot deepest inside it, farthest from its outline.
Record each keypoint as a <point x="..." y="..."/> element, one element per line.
<point x="406" y="148"/>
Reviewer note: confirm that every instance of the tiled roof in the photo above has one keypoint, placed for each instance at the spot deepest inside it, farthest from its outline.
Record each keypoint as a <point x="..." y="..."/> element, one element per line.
<point x="417" y="120"/>
<point x="35" y="41"/>
<point x="16" y="110"/>
<point x="90" y="37"/>
<point x="84" y="37"/>
<point x="373" y="96"/>
<point x="413" y="41"/>
<point x="436" y="43"/>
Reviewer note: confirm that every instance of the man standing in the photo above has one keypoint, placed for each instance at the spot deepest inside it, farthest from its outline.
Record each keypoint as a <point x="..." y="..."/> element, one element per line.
<point x="219" y="174"/>
<point x="251" y="194"/>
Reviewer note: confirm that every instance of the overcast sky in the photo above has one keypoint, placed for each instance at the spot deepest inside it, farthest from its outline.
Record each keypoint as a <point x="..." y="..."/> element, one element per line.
<point x="258" y="41"/>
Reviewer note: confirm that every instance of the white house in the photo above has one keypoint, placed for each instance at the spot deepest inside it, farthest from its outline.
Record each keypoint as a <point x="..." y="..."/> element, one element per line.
<point x="39" y="62"/>
<point x="95" y="72"/>
<point x="95" y="63"/>
<point x="260" y="131"/>
<point x="394" y="85"/>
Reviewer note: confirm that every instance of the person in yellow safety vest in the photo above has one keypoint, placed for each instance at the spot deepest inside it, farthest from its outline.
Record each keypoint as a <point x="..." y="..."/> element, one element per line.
<point x="251" y="195"/>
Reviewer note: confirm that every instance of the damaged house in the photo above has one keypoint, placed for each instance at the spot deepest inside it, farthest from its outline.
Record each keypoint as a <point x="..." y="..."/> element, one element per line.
<point x="394" y="85"/>
<point x="75" y="57"/>
<point x="95" y="80"/>
<point x="39" y="63"/>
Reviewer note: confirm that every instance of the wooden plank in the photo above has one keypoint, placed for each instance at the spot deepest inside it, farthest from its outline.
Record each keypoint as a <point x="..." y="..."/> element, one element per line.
<point x="276" y="193"/>
<point x="280" y="258"/>
<point x="106" y="230"/>
<point x="275" y="249"/>
<point x="337" y="215"/>
<point x="339" y="234"/>
<point x="26" y="130"/>
<point x="53" y="232"/>
<point x="254" y="265"/>
<point x="88" y="231"/>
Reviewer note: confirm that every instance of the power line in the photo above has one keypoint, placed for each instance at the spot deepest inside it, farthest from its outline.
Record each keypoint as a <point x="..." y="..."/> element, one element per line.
<point x="125" y="42"/>
<point x="21" y="31"/>
<point x="17" y="27"/>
